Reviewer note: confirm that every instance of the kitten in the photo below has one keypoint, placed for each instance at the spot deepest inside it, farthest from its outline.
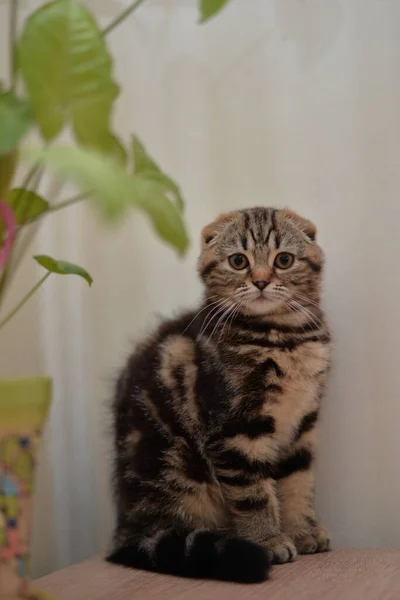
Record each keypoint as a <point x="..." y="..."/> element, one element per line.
<point x="215" y="416"/>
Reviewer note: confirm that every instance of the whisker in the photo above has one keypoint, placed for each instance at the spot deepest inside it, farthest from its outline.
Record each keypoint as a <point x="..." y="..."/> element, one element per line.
<point x="214" y="313"/>
<point x="301" y="297"/>
<point x="210" y="317"/>
<point x="234" y="311"/>
<point x="294" y="311"/>
<point x="306" y="310"/>
<point x="308" y="314"/>
<point x="230" y="319"/>
<point x="199" y="313"/>
<point x="220" y="319"/>
<point x="225" y="303"/>
<point x="291" y="308"/>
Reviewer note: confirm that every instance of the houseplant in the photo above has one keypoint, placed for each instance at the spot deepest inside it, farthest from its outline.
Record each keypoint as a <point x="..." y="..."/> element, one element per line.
<point x="60" y="78"/>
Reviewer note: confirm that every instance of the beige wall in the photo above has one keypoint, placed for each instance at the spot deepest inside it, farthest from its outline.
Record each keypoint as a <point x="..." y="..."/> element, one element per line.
<point x="275" y="102"/>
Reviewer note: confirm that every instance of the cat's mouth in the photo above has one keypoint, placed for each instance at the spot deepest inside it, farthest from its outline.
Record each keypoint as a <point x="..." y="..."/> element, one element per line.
<point x="263" y="296"/>
<point x="263" y="302"/>
<point x="262" y="299"/>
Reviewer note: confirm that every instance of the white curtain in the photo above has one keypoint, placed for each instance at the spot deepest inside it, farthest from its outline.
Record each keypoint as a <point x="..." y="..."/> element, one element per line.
<point x="274" y="102"/>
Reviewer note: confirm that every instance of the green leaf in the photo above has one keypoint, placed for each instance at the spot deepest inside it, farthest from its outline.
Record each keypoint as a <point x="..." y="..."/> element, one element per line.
<point x="115" y="149"/>
<point x="67" y="71"/>
<point x="168" y="222"/>
<point x="115" y="191"/>
<point x="146" y="167"/>
<point x="164" y="215"/>
<point x="209" y="8"/>
<point x="26" y="205"/>
<point x="62" y="268"/>
<point x="16" y="117"/>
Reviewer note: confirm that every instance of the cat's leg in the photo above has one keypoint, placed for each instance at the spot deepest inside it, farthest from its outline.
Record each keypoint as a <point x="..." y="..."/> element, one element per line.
<point x="251" y="497"/>
<point x="296" y="492"/>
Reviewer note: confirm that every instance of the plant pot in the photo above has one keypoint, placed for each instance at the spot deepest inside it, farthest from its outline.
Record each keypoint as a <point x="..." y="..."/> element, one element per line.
<point x="24" y="405"/>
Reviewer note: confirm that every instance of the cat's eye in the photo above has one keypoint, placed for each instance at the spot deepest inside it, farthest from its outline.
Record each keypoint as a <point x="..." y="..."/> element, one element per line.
<point x="238" y="261"/>
<point x="283" y="260"/>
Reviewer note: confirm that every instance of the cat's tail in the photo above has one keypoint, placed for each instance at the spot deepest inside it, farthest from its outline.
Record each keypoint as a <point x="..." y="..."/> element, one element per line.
<point x="200" y="554"/>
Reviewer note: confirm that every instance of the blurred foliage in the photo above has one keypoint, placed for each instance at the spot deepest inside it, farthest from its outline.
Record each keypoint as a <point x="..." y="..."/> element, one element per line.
<point x="209" y="8"/>
<point x="63" y="66"/>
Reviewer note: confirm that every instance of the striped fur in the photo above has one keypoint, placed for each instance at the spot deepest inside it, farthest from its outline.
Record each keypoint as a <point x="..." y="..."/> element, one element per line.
<point x="216" y="414"/>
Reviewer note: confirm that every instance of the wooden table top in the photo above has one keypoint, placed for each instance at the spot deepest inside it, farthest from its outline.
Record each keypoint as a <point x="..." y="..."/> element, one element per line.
<point x="339" y="575"/>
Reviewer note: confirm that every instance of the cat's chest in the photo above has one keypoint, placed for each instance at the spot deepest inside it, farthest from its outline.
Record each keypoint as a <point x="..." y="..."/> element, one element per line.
<point x="283" y="384"/>
<point x="250" y="367"/>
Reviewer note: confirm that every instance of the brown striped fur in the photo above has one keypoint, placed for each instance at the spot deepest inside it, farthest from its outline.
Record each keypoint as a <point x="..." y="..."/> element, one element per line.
<point x="216" y="414"/>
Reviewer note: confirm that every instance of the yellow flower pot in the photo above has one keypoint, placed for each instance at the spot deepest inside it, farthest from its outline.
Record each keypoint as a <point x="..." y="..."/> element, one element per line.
<point x="24" y="406"/>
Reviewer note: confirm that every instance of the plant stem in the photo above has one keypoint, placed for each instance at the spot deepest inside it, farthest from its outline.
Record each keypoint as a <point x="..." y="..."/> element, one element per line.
<point x="6" y="275"/>
<point x="66" y="203"/>
<point x="35" y="223"/>
<point x="28" y="178"/>
<point x="35" y="186"/>
<point x="24" y="300"/>
<point x="54" y="207"/>
<point x="122" y="16"/>
<point x="13" y="42"/>
<point x="22" y="249"/>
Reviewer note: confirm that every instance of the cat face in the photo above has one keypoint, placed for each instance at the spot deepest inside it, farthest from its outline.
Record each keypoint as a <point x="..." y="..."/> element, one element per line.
<point x="261" y="261"/>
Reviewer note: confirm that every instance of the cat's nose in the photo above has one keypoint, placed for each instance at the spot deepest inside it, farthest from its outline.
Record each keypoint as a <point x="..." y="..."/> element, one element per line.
<point x="261" y="284"/>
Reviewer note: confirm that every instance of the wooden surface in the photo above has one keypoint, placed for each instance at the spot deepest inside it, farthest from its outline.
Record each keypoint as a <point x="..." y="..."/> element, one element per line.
<point x="338" y="575"/>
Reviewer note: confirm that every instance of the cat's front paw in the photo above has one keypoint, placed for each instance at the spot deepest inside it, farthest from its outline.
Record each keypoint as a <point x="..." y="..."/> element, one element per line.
<point x="313" y="542"/>
<point x="280" y="549"/>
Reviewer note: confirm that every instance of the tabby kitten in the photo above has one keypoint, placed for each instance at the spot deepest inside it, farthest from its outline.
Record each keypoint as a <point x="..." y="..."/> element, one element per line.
<point x="215" y="415"/>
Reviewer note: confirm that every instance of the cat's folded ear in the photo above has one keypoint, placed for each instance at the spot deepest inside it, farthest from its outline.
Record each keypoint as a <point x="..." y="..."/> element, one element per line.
<point x="303" y="224"/>
<point x="210" y="232"/>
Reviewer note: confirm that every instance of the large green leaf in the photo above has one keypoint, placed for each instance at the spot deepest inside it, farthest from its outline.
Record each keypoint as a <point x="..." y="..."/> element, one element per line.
<point x="209" y="8"/>
<point x="16" y="117"/>
<point x="62" y="268"/>
<point x="115" y="191"/>
<point x="115" y="149"/>
<point x="165" y="217"/>
<point x="167" y="221"/>
<point x="145" y="166"/>
<point x="99" y="176"/>
<point x="26" y="205"/>
<point x="67" y="71"/>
